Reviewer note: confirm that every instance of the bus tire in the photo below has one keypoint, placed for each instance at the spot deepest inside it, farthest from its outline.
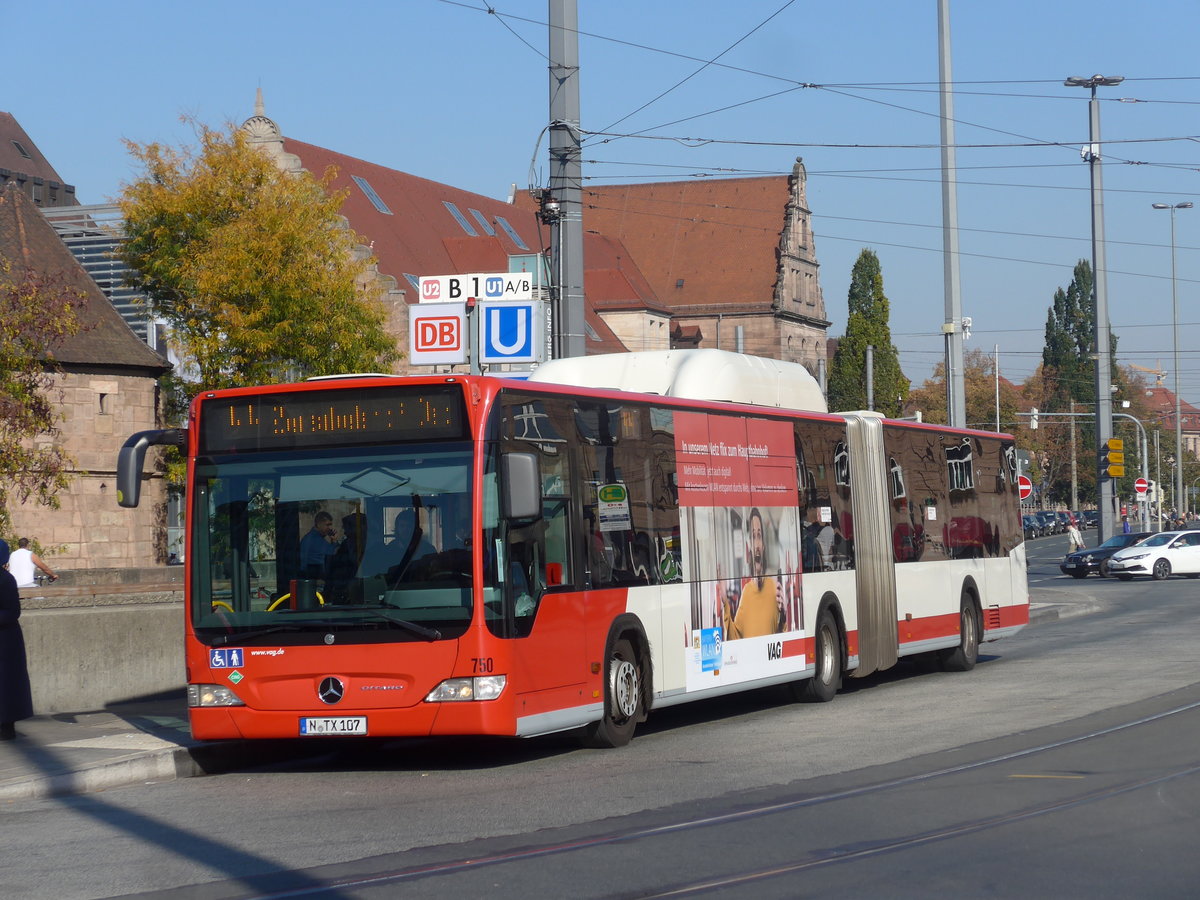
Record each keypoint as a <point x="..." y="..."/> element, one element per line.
<point x="963" y="657"/>
<point x="827" y="650"/>
<point x="623" y="693"/>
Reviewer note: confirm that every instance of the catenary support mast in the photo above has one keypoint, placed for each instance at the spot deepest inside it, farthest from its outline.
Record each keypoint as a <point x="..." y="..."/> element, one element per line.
<point x="566" y="177"/>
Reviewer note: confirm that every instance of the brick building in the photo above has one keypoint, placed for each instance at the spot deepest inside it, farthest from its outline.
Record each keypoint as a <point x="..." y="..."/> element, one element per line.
<point x="109" y="387"/>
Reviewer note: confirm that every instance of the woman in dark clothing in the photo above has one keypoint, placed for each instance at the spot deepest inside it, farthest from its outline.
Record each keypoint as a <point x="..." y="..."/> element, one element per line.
<point x="16" y="701"/>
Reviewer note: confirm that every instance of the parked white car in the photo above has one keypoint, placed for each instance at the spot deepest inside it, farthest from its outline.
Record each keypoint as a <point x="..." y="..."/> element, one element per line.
<point x="1160" y="555"/>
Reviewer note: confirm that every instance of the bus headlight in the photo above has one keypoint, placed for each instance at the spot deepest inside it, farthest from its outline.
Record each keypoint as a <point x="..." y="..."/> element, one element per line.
<point x="212" y="695"/>
<point x="482" y="687"/>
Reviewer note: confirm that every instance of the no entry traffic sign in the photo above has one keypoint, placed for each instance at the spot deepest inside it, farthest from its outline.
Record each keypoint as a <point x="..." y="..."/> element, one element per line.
<point x="1024" y="486"/>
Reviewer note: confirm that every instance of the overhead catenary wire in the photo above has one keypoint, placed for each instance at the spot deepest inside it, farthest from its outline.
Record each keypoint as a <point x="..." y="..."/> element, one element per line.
<point x="603" y="171"/>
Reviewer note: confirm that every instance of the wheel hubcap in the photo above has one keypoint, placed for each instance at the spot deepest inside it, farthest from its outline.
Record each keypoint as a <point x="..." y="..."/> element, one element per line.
<point x="825" y="657"/>
<point x="625" y="688"/>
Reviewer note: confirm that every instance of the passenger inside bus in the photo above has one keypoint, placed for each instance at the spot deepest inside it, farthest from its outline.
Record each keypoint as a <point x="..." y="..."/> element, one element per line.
<point x="453" y="561"/>
<point x="344" y="564"/>
<point x="318" y="546"/>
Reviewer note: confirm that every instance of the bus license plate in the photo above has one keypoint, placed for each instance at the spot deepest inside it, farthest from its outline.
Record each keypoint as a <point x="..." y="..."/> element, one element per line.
<point x="330" y="725"/>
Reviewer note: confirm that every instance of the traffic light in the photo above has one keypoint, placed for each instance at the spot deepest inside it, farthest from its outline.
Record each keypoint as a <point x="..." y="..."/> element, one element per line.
<point x="1152" y="492"/>
<point x="1033" y="418"/>
<point x="1112" y="458"/>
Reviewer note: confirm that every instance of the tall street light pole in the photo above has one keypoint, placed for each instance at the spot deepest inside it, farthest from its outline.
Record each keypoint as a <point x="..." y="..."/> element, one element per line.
<point x="1175" y="328"/>
<point x="1104" y="426"/>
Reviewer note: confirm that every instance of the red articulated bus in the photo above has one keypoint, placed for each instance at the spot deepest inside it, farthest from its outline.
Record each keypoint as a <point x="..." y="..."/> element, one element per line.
<point x="474" y="555"/>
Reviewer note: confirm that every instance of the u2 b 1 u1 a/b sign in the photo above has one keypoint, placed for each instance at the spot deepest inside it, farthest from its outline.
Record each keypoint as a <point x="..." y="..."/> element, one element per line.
<point x="488" y="286"/>
<point x="437" y="334"/>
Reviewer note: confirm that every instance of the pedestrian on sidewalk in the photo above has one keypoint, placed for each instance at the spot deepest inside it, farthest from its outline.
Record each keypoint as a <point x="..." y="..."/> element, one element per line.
<point x="16" y="700"/>
<point x="1074" y="536"/>
<point x="24" y="561"/>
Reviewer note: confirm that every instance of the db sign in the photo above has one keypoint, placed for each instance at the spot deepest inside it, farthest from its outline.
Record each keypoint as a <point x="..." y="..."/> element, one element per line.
<point x="437" y="333"/>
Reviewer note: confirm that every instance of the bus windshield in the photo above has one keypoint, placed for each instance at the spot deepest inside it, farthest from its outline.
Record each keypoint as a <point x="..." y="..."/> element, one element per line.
<point x="365" y="545"/>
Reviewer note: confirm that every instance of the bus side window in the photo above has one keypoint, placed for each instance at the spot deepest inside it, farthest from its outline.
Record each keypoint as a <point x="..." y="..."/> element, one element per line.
<point x="557" y="544"/>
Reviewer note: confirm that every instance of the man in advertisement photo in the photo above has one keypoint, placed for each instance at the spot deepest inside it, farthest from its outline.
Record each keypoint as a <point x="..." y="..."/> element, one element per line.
<point x="761" y="608"/>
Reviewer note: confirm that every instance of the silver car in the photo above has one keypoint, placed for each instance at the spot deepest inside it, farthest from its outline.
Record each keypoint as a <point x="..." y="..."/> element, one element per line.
<point x="1160" y="555"/>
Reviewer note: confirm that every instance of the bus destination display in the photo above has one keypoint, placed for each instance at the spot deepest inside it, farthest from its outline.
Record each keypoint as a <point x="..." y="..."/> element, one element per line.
<point x="330" y="418"/>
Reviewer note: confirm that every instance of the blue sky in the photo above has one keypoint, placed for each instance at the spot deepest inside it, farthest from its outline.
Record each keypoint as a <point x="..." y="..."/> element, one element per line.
<point x="447" y="91"/>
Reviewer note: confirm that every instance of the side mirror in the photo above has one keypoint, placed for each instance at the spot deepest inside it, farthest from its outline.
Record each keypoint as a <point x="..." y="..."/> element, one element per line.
<point x="521" y="486"/>
<point x="132" y="459"/>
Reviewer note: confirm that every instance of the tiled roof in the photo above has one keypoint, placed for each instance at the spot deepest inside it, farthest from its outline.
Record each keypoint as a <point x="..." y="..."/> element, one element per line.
<point x="601" y="338"/>
<point x="1161" y="403"/>
<point x="31" y="162"/>
<point x="420" y="235"/>
<point x="613" y="281"/>
<point x="698" y="242"/>
<point x="105" y="342"/>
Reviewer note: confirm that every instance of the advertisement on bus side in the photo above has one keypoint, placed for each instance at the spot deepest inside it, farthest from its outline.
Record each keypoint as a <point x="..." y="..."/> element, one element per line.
<point x="740" y="528"/>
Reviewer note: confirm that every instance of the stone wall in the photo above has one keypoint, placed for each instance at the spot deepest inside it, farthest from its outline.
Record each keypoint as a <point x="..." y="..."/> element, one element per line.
<point x="89" y="530"/>
<point x="640" y="330"/>
<point x="111" y="635"/>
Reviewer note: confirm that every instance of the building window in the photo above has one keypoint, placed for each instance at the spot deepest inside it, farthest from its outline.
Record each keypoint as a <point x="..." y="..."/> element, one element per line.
<point x="375" y="199"/>
<point x="534" y="264"/>
<point x="482" y="220"/>
<point x="460" y="218"/>
<point x="511" y="232"/>
<point x="21" y="149"/>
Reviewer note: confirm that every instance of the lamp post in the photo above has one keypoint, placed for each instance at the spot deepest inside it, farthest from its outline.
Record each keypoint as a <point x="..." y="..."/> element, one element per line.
<point x="1175" y="328"/>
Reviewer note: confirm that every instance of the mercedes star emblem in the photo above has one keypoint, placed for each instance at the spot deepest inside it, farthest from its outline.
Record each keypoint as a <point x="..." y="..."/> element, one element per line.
<point x="331" y="690"/>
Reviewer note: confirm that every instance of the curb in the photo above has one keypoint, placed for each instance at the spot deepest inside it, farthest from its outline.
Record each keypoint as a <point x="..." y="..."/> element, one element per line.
<point x="158" y="765"/>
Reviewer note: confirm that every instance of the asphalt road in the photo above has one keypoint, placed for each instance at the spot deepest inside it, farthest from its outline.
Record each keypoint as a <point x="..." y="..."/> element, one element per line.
<point x="1064" y="764"/>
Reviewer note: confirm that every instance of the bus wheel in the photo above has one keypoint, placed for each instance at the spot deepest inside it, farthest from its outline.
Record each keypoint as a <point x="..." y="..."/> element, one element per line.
<point x="622" y="700"/>
<point x="962" y="658"/>
<point x="827" y="679"/>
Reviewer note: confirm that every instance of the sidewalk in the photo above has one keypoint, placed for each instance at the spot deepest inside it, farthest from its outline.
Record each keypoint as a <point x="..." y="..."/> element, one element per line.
<point x="147" y="739"/>
<point x="77" y="753"/>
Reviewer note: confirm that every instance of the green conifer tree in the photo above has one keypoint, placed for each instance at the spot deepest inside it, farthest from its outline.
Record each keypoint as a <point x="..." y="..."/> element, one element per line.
<point x="867" y="326"/>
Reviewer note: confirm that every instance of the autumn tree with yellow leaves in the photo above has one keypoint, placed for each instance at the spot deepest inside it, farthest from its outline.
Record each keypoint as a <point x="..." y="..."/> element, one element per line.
<point x="252" y="268"/>
<point x="38" y="313"/>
